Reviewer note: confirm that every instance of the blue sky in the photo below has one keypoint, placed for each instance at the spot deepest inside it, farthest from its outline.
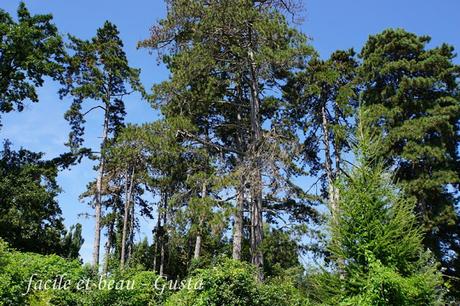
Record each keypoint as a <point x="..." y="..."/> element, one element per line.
<point x="331" y="24"/>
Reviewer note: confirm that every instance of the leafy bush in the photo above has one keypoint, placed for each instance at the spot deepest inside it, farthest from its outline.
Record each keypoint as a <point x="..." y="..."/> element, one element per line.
<point x="18" y="268"/>
<point x="232" y="282"/>
<point x="144" y="288"/>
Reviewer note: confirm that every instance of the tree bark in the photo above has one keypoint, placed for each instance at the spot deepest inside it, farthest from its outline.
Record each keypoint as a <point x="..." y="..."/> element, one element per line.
<point x="162" y="237"/>
<point x="199" y="236"/>
<point x="238" y="227"/>
<point x="157" y="239"/>
<point x="108" y="246"/>
<point x="328" y="163"/>
<point x="98" y="196"/>
<point x="256" y="186"/>
<point x="128" y="191"/>
<point x="333" y="193"/>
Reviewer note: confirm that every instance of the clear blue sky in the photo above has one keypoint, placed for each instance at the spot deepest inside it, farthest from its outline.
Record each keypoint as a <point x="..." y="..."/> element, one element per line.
<point x="331" y="24"/>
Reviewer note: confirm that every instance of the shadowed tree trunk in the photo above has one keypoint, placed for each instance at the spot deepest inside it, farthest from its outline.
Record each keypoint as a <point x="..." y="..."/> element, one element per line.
<point x="238" y="227"/>
<point x="98" y="196"/>
<point x="128" y="195"/>
<point x="256" y="186"/>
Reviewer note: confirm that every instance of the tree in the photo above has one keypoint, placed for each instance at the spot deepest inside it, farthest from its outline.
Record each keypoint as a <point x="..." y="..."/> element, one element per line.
<point x="72" y="242"/>
<point x="98" y="70"/>
<point x="225" y="57"/>
<point x="320" y="103"/>
<point x="127" y="164"/>
<point x="412" y="94"/>
<point x="30" y="217"/>
<point x="30" y="49"/>
<point x="376" y="236"/>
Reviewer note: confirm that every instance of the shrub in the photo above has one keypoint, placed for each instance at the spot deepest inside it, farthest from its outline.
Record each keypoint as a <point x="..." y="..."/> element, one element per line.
<point x="232" y="282"/>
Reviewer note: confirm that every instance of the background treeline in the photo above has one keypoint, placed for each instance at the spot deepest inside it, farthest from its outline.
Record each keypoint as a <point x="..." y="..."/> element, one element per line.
<point x="249" y="108"/>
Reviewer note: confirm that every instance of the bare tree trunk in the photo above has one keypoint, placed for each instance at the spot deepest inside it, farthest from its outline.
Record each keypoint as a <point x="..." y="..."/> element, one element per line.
<point x="257" y="231"/>
<point x="130" y="240"/>
<point x="98" y="196"/>
<point x="157" y="239"/>
<point x="333" y="196"/>
<point x="199" y="236"/>
<point x="108" y="246"/>
<point x="128" y="191"/>
<point x="238" y="227"/>
<point x="162" y="239"/>
<point x="256" y="186"/>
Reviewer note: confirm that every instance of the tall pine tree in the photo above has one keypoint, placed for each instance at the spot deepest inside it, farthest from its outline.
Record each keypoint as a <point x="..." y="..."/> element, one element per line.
<point x="98" y="71"/>
<point x="412" y="96"/>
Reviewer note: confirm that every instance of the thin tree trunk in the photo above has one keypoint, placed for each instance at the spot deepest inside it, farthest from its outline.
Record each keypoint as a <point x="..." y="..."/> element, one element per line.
<point x="333" y="196"/>
<point x="98" y="196"/>
<point x="256" y="186"/>
<point x="108" y="246"/>
<point x="157" y="239"/>
<point x="199" y="236"/>
<point x="328" y="163"/>
<point x="238" y="227"/>
<point x="130" y="241"/>
<point x="128" y="191"/>
<point x="162" y="246"/>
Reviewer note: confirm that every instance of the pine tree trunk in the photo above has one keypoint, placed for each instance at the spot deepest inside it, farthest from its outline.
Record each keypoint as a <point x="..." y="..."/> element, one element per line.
<point x="328" y="163"/>
<point x="199" y="237"/>
<point x="333" y="196"/>
<point x="162" y="238"/>
<point x="238" y="227"/>
<point x="157" y="239"/>
<point x="130" y="241"/>
<point x="128" y="191"/>
<point x="98" y="196"/>
<point x="197" y="252"/>
<point x="256" y="186"/>
<point x="105" y="268"/>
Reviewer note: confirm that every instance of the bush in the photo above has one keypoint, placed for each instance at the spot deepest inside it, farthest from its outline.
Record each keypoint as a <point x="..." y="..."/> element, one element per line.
<point x="141" y="291"/>
<point x="232" y="282"/>
<point x="16" y="269"/>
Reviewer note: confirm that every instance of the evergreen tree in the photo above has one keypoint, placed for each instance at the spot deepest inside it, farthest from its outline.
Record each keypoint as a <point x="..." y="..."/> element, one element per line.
<point x="226" y="58"/>
<point x="412" y="96"/>
<point x="320" y="100"/>
<point x="376" y="238"/>
<point x="98" y="70"/>
<point x="72" y="242"/>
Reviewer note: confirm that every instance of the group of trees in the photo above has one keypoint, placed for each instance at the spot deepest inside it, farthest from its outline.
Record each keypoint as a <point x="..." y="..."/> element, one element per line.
<point x="249" y="107"/>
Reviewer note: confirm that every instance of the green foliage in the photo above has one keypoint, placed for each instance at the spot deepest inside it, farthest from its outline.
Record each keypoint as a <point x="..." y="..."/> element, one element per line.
<point x="281" y="254"/>
<point x="327" y="85"/>
<point x="72" y="242"/>
<point x="376" y="243"/>
<point x="412" y="96"/>
<point x="98" y="70"/>
<point x="232" y="282"/>
<point x="17" y="269"/>
<point x="30" y="217"/>
<point x="145" y="289"/>
<point x="30" y="49"/>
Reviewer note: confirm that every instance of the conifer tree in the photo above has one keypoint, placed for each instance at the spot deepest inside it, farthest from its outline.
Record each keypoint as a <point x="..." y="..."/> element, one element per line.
<point x="98" y="70"/>
<point x="320" y="100"/>
<point x="412" y="96"/>
<point x="377" y="239"/>
<point x="225" y="56"/>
